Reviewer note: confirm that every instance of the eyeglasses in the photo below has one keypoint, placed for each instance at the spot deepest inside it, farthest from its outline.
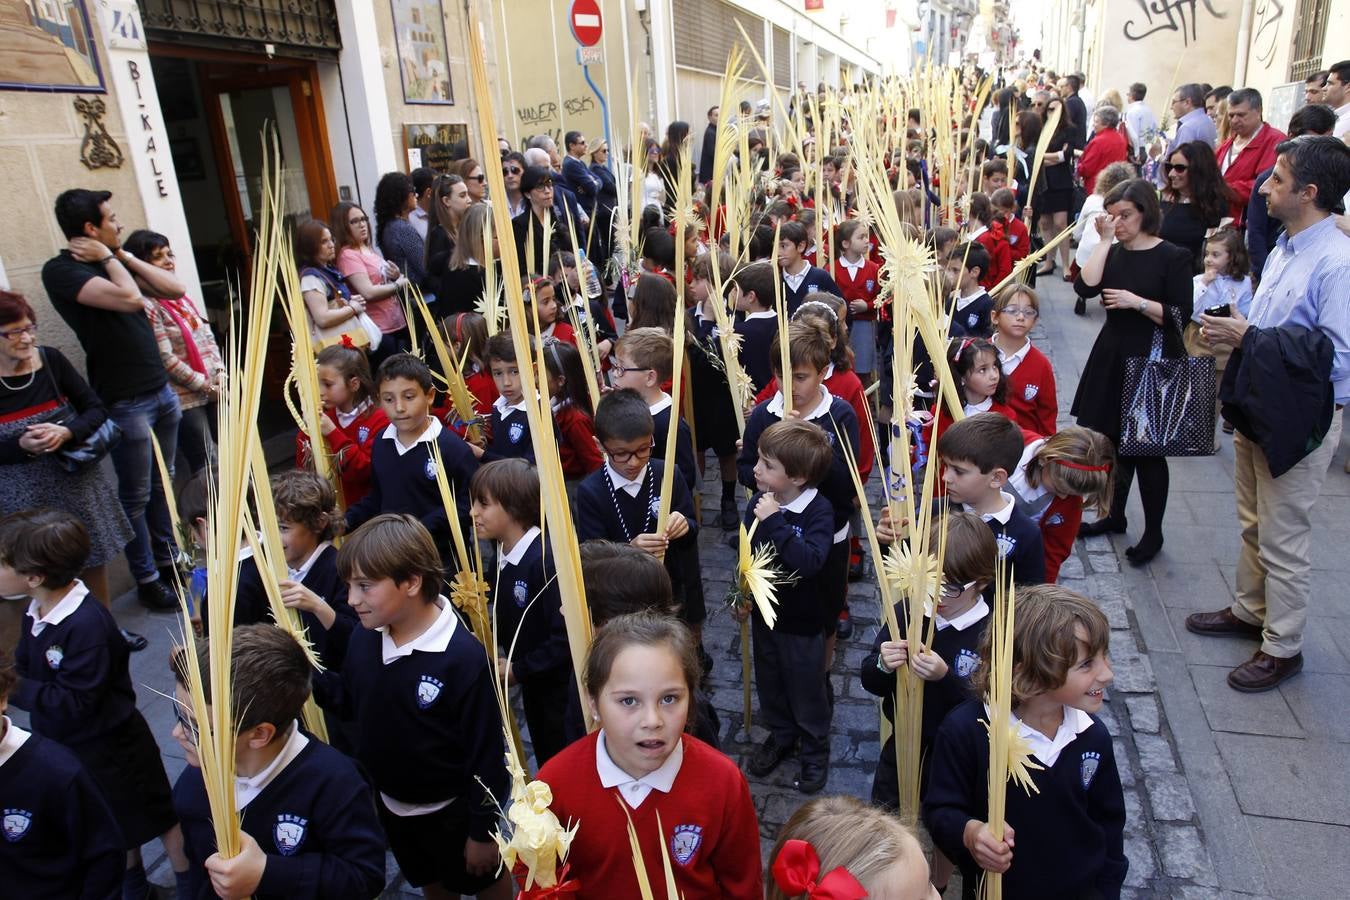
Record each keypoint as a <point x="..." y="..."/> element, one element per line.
<point x="1018" y="312"/>
<point x="623" y="456"/>
<point x="15" y="333"/>
<point x="951" y="591"/>
<point x="359" y="221"/>
<point x="616" y="369"/>
<point x="480" y="178"/>
<point x="187" y="721"/>
<point x="512" y="170"/>
<point x="1175" y="167"/>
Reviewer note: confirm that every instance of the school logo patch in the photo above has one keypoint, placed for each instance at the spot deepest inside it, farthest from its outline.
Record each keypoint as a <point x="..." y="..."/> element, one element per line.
<point x="1087" y="769"/>
<point x="1006" y="545"/>
<point x="54" y="656"/>
<point x="684" y="843"/>
<point x="972" y="320"/>
<point x="515" y="431"/>
<point x="428" y="689"/>
<point x="654" y="506"/>
<point x="16" y="823"/>
<point x="521" y="593"/>
<point x="871" y="285"/>
<point x="1056" y="519"/>
<point x="430" y="468"/>
<point x="966" y="663"/>
<point x="797" y="530"/>
<point x="289" y="833"/>
<point x="1030" y="391"/>
<point x="362" y="433"/>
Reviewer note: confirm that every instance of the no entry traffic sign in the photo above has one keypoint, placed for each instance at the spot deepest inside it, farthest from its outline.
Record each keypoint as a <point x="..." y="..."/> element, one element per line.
<point x="584" y="17"/>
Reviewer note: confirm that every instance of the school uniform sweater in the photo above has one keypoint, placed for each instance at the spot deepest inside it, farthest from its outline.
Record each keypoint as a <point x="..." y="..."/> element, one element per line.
<point x="834" y="417"/>
<point x="61" y="841"/>
<point x="576" y="441"/>
<point x="315" y="820"/>
<point x="508" y="433"/>
<point x="405" y="482"/>
<point x="1019" y="541"/>
<point x="529" y="612"/>
<point x="684" y="440"/>
<point x="814" y="279"/>
<point x="603" y="511"/>
<point x="1030" y="392"/>
<point x="483" y="389"/>
<point x="844" y="384"/>
<point x="428" y="728"/>
<point x="801" y="535"/>
<point x="865" y="285"/>
<point x="349" y="446"/>
<point x="708" y="825"/>
<point x="757" y="330"/>
<point x="1019" y="239"/>
<point x="1057" y="517"/>
<point x="973" y="318"/>
<point x="322" y="578"/>
<point x="1069" y="837"/>
<point x="1000" y="254"/>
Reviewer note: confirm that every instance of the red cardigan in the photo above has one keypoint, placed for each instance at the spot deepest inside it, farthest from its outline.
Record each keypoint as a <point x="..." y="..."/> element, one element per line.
<point x="1059" y="529"/>
<point x="576" y="441"/>
<point x="1000" y="255"/>
<point x="350" y="446"/>
<point x="708" y="825"/>
<point x="1019" y="239"/>
<point x="1254" y="159"/>
<point x="1031" y="393"/>
<point x="1106" y="147"/>
<point x="865" y="287"/>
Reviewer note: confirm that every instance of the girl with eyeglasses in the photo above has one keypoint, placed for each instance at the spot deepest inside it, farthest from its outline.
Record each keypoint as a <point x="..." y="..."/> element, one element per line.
<point x="1028" y="377"/>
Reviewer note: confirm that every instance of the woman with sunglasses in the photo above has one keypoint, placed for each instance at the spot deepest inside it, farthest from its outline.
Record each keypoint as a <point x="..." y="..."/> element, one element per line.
<point x="474" y="178"/>
<point x="369" y="275"/>
<point x="541" y="230"/>
<point x="1195" y="198"/>
<point x="513" y="169"/>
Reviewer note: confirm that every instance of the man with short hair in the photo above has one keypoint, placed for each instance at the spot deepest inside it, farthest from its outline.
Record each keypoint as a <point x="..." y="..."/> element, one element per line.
<point x="1073" y="104"/>
<point x="1313" y="86"/>
<point x="1188" y="108"/>
<point x="578" y="174"/>
<point x="1213" y="98"/>
<point x="1336" y="94"/>
<point x="1249" y="150"/>
<point x="92" y="285"/>
<point x="1262" y="230"/>
<point x="1304" y="286"/>
<point x="708" y="152"/>
<point x="1140" y="120"/>
<point x="423" y="179"/>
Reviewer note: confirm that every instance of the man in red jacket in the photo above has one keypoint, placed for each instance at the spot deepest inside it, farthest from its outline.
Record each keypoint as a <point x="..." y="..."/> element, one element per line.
<point x="1107" y="146"/>
<point x="1249" y="151"/>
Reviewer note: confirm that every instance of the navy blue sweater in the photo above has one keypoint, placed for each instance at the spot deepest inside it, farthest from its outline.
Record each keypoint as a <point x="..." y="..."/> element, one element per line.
<point x="407" y="483"/>
<point x="1070" y="836"/>
<point x="315" y="820"/>
<point x="817" y="279"/>
<point x="837" y="486"/>
<point x="428" y="728"/>
<point x="756" y="341"/>
<point x="975" y="320"/>
<point x="1020" y="543"/>
<point x="74" y="677"/>
<point x="61" y="841"/>
<point x="801" y="541"/>
<point x="322" y="578"/>
<point x="597" y="516"/>
<point x="529" y="612"/>
<point x="684" y="445"/>
<point x="508" y="436"/>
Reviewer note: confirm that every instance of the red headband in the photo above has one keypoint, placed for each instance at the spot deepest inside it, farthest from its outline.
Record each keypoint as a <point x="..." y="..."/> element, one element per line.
<point x="347" y="342"/>
<point x="1104" y="467"/>
<point x="798" y="866"/>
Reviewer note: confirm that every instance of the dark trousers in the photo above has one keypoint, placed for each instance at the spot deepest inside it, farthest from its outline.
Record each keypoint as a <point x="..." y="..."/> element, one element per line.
<point x="545" y="699"/>
<point x="1154" y="483"/>
<point x="793" y="699"/>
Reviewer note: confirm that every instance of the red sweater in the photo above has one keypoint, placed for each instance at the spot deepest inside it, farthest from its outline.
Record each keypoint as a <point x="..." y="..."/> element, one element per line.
<point x="563" y="331"/>
<point x="865" y="287"/>
<point x="707" y="822"/>
<point x="1031" y="393"/>
<point x="845" y="385"/>
<point x="1106" y="147"/>
<point x="1019" y="239"/>
<point x="1059" y="529"/>
<point x="350" y="446"/>
<point x="1000" y="255"/>
<point x="1255" y="158"/>
<point x="576" y="441"/>
<point x="484" y="390"/>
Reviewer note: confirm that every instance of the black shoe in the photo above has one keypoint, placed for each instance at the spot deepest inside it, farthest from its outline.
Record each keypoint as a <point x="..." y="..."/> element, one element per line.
<point x="1145" y="550"/>
<point x="1108" y="525"/>
<point x="731" y="517"/>
<point x="1080" y="307"/>
<point x="856" y="567"/>
<point x="157" y="596"/>
<point x="812" y="778"/>
<point x="135" y="642"/>
<point x="1041" y="273"/>
<point x="767" y="756"/>
<point x="843" y="629"/>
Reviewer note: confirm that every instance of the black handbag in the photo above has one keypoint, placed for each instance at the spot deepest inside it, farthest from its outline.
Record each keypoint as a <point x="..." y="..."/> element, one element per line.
<point x="75" y="456"/>
<point x="1167" y="406"/>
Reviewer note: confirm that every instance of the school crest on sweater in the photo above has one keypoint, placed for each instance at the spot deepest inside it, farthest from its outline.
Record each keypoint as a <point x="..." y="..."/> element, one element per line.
<point x="1030" y="391"/>
<point x="16" y="823"/>
<point x="1006" y="545"/>
<point x="362" y="433"/>
<point x="54" y="655"/>
<point x="685" y="841"/>
<point x="430" y="468"/>
<point x="1087" y="769"/>
<point x="966" y="663"/>
<point x="515" y="432"/>
<point x="289" y="833"/>
<point x="428" y="690"/>
<point x="521" y="594"/>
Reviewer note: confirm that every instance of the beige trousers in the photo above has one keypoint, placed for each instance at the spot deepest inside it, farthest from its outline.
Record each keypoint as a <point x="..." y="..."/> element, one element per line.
<point x="1273" y="570"/>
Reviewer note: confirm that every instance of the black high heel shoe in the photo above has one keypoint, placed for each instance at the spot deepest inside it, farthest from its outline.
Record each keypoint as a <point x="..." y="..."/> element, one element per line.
<point x="1108" y="525"/>
<point x="1144" y="551"/>
<point x="1080" y="307"/>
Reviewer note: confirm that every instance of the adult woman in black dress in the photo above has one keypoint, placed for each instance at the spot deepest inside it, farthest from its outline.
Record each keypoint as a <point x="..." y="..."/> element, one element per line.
<point x="1195" y="198"/>
<point x="1053" y="197"/>
<point x="1145" y="287"/>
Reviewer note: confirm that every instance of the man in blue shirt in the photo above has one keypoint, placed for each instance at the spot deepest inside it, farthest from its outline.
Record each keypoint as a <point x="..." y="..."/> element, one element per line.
<point x="1303" y="284"/>
<point x="1193" y="123"/>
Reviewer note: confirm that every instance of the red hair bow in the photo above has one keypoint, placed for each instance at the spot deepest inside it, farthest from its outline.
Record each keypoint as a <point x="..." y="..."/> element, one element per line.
<point x="347" y="342"/>
<point x="797" y="869"/>
<point x="793" y="202"/>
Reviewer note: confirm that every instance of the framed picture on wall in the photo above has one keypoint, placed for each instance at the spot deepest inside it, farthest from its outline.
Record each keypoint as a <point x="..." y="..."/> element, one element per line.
<point x="47" y="45"/>
<point x="424" y="60"/>
<point x="435" y="146"/>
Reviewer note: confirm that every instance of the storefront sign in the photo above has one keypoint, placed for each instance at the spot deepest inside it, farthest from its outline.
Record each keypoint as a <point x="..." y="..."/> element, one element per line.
<point x="436" y="146"/>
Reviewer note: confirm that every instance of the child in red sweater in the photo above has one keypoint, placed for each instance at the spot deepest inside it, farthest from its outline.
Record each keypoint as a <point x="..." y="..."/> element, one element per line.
<point x="1029" y="378"/>
<point x="467" y="336"/>
<point x="988" y="233"/>
<point x="572" y="416"/>
<point x="641" y="674"/>
<point x="1057" y="477"/>
<point x="540" y="293"/>
<point x="351" y="422"/>
<point x="1014" y="229"/>
<point x="859" y="281"/>
<point x="979" y="384"/>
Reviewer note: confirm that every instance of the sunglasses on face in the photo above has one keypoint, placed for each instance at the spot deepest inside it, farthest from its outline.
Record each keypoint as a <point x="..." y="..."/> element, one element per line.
<point x="512" y="170"/>
<point x="1176" y="167"/>
<point x="480" y="178"/>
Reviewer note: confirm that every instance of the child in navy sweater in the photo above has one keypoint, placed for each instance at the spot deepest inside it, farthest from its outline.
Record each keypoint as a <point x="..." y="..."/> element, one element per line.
<point x="419" y="686"/>
<point x="508" y="423"/>
<point x="531" y="636"/>
<point x="1066" y="839"/>
<point x="799" y="276"/>
<point x="644" y="359"/>
<point x="757" y="320"/>
<point x="401" y="461"/>
<point x="970" y="306"/>
<point x="714" y="410"/>
<point x="61" y="840"/>
<point x="958" y="618"/>
<point x="307" y="821"/>
<point x="75" y="681"/>
<point x="797" y="522"/>
<point x="979" y="455"/>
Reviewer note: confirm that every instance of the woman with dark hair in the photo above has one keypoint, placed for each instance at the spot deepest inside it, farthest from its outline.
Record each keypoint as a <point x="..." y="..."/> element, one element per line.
<point x="450" y="200"/>
<point x="398" y="240"/>
<point x="606" y="201"/>
<point x="677" y="142"/>
<point x="465" y="275"/>
<point x="328" y="301"/>
<point x="473" y="176"/>
<point x="1052" y="198"/>
<point x="35" y="425"/>
<point x="541" y="230"/>
<point x="1145" y="287"/>
<point x="368" y="274"/>
<point x="1195" y="198"/>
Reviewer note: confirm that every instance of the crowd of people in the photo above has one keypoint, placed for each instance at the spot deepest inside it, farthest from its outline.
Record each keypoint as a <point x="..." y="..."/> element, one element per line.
<point x="1224" y="238"/>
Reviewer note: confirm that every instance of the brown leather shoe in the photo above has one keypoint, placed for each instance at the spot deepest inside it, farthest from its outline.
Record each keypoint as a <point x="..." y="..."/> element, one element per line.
<point x="1220" y="623"/>
<point x="1263" y="672"/>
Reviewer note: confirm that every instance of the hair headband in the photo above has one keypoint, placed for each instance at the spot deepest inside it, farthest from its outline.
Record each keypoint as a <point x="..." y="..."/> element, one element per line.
<point x="551" y="345"/>
<point x="797" y="869"/>
<point x="965" y="342"/>
<point x="812" y="306"/>
<point x="1104" y="467"/>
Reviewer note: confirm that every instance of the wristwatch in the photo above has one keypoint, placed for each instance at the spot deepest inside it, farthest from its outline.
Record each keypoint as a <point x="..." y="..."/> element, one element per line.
<point x="1143" y="305"/>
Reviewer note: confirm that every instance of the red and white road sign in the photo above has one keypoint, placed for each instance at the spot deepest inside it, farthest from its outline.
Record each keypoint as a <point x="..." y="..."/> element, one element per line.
<point x="584" y="17"/>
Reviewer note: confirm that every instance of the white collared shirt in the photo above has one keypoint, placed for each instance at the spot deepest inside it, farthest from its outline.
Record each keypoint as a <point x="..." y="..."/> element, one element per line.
<point x="826" y="398"/>
<point x="800" y="502"/>
<point x="852" y="267"/>
<point x="300" y="573"/>
<point x="983" y="406"/>
<point x="635" y="790"/>
<point x="1047" y="749"/>
<point x="345" y="419"/>
<point x="977" y="232"/>
<point x="518" y="549"/>
<point x="761" y="314"/>
<point x="1010" y="361"/>
<point x="247" y="789"/>
<point x="421" y="220"/>
<point x="963" y="302"/>
<point x="64" y="608"/>
<point x="434" y="640"/>
<point x="794" y="282"/>
<point x="1004" y="514"/>
<point x="665" y="403"/>
<point x="630" y="486"/>
<point x="433" y="431"/>
<point x="501" y="406"/>
<point x="1018" y="480"/>
<point x="15" y="737"/>
<point x="1234" y="151"/>
<point x="966" y="619"/>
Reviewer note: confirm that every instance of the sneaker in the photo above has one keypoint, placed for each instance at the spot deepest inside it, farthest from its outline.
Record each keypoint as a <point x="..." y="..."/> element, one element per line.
<point x="812" y="777"/>
<point x="843" y="629"/>
<point x="157" y="596"/>
<point x="767" y="756"/>
<point x="135" y="642"/>
<point x="731" y="517"/>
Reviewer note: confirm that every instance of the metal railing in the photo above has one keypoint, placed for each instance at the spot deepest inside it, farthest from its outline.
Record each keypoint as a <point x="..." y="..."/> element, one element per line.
<point x="311" y="24"/>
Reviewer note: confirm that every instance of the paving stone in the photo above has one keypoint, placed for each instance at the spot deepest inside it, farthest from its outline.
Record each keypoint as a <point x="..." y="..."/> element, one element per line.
<point x="1183" y="854"/>
<point x="1170" y="798"/>
<point x="1142" y="866"/>
<point x="1134" y="814"/>
<point x="1097" y="544"/>
<point x="1072" y="567"/>
<point x="1155" y="755"/>
<point x="1104" y="562"/>
<point x="1143" y="710"/>
<point x="1133" y="671"/>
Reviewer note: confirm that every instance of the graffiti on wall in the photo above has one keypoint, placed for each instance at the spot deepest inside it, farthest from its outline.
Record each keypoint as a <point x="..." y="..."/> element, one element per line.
<point x="1171" y="16"/>
<point x="1268" y="15"/>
